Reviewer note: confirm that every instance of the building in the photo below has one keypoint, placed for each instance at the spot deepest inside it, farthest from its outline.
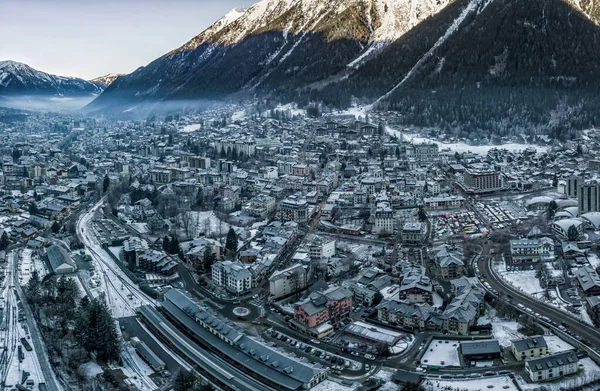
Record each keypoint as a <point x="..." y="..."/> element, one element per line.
<point x="260" y="206"/>
<point x="483" y="181"/>
<point x="531" y="250"/>
<point x="160" y="176"/>
<point x="552" y="367"/>
<point x="443" y="202"/>
<point x="448" y="261"/>
<point x="416" y="287"/>
<point x="481" y="350"/>
<point x="153" y="261"/>
<point x="288" y="281"/>
<point x="462" y="312"/>
<point x="326" y="307"/>
<point x="588" y="280"/>
<point x="572" y="187"/>
<point x="588" y="197"/>
<point x="260" y="360"/>
<point x="413" y="233"/>
<point x="322" y="248"/>
<point x="59" y="260"/>
<point x="293" y="209"/>
<point x="385" y="223"/>
<point x="409" y="315"/>
<point x="526" y="348"/>
<point x="561" y="227"/>
<point x="232" y="276"/>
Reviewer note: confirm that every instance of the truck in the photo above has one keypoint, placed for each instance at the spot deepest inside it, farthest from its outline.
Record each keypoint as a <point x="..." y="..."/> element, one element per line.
<point x="26" y="344"/>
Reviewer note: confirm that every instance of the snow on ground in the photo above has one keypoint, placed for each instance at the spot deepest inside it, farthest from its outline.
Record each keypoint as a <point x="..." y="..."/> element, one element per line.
<point x="585" y="317"/>
<point x="191" y="128"/>
<point x="330" y="385"/>
<point x="556" y="345"/>
<point x="524" y="280"/>
<point x="210" y="224"/>
<point x="293" y="108"/>
<point x="441" y="354"/>
<point x="593" y="259"/>
<point x="141" y="228"/>
<point x="505" y="331"/>
<point x="497" y="383"/>
<point x="463" y="147"/>
<point x="25" y="267"/>
<point x="437" y="300"/>
<point x="90" y="369"/>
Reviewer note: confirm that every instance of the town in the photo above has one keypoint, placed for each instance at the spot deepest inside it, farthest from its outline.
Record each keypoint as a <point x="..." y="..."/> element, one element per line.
<point x="255" y="248"/>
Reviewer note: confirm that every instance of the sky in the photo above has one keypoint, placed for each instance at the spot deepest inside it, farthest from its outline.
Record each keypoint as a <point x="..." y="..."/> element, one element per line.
<point x="91" y="38"/>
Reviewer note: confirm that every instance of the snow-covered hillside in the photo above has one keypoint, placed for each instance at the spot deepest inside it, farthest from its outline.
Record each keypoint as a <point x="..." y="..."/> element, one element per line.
<point x="19" y="78"/>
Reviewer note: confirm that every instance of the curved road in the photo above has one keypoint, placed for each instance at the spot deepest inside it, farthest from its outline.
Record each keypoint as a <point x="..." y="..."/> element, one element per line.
<point x="590" y="334"/>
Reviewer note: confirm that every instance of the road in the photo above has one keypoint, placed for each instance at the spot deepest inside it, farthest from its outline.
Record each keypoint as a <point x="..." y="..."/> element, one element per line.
<point x="590" y="334"/>
<point x="36" y="337"/>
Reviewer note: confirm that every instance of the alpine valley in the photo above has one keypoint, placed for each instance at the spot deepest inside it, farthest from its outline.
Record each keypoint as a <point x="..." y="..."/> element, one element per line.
<point x="458" y="65"/>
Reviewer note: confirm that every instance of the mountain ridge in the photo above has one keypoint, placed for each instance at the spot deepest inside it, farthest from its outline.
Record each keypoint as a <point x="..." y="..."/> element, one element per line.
<point x="20" y="79"/>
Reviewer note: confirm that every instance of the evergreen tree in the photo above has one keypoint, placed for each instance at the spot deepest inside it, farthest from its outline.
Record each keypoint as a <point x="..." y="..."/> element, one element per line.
<point x="208" y="259"/>
<point x="96" y="332"/>
<point x="33" y="287"/>
<point x="231" y="243"/>
<point x="552" y="206"/>
<point x="33" y="208"/>
<point x="166" y="245"/>
<point x="422" y="214"/>
<point x="4" y="241"/>
<point x="55" y="227"/>
<point x="174" y="246"/>
<point x="572" y="233"/>
<point x="185" y="381"/>
<point x="106" y="183"/>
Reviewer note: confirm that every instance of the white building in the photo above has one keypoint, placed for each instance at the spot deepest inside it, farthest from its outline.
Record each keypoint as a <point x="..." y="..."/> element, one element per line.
<point x="288" y="281"/>
<point x="322" y="248"/>
<point x="293" y="209"/>
<point x="232" y="276"/>
<point x="385" y="223"/>
<point x="552" y="367"/>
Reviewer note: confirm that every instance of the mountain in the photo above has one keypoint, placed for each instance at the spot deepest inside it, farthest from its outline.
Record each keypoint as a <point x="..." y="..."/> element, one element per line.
<point x="106" y="80"/>
<point x="20" y="79"/>
<point x="250" y="51"/>
<point x="491" y="66"/>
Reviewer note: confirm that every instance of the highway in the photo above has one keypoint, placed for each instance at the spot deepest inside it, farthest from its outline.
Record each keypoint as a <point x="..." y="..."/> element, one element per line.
<point x="590" y="334"/>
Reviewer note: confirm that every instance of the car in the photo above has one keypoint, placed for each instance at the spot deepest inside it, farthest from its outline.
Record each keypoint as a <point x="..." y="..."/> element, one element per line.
<point x="256" y="322"/>
<point x="356" y="354"/>
<point x="504" y="372"/>
<point x="315" y="341"/>
<point x="489" y="373"/>
<point x="475" y="375"/>
<point x="420" y="369"/>
<point x="308" y="349"/>
<point x="255" y="296"/>
<point x="369" y="357"/>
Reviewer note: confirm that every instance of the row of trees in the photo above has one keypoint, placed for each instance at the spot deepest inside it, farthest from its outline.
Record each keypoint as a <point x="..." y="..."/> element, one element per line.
<point x="73" y="329"/>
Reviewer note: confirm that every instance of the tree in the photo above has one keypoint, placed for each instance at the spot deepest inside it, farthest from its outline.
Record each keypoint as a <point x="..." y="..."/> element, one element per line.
<point x="166" y="245"/>
<point x="106" y="183"/>
<point x="33" y="287"/>
<point x="95" y="331"/>
<point x="4" y="241"/>
<point x="174" y="246"/>
<point x="555" y="182"/>
<point x="422" y="214"/>
<point x="572" y="233"/>
<point x="231" y="243"/>
<point x="55" y="227"/>
<point x="33" y="208"/>
<point x="552" y="206"/>
<point x="185" y="381"/>
<point x="208" y="258"/>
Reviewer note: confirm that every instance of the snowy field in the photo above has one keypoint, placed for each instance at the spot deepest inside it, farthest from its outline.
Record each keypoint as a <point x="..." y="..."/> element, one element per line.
<point x="524" y="280"/>
<point x="556" y="345"/>
<point x="505" y="331"/>
<point x="191" y="128"/>
<point x="330" y="385"/>
<point x="462" y="147"/>
<point x="141" y="228"/>
<point x="209" y="224"/>
<point x="442" y="354"/>
<point x="497" y="383"/>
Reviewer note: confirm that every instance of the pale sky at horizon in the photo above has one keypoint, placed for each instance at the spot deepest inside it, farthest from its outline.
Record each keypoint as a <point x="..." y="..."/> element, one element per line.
<point x="91" y="38"/>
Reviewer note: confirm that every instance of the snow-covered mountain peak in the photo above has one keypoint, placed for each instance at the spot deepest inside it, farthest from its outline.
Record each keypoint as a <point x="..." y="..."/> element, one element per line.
<point x="386" y="19"/>
<point x="106" y="80"/>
